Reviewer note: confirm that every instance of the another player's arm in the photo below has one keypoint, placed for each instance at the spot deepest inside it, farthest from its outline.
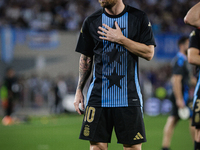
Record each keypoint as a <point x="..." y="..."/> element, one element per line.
<point x="193" y="56"/>
<point x="115" y="35"/>
<point x="85" y="66"/>
<point x="193" y="16"/>
<point x="177" y="89"/>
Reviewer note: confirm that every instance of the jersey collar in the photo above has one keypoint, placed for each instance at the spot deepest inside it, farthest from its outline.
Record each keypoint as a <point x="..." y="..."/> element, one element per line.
<point x="116" y="16"/>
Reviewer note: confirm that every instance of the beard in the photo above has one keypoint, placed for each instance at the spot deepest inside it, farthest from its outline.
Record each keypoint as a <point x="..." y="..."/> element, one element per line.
<point x="107" y="3"/>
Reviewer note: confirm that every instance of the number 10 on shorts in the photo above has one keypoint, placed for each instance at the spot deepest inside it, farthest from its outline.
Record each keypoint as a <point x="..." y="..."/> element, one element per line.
<point x="89" y="114"/>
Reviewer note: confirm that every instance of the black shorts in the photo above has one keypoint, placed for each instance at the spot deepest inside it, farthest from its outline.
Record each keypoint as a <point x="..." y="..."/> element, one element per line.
<point x="196" y="108"/>
<point x="196" y="113"/>
<point x="128" y="123"/>
<point x="174" y="111"/>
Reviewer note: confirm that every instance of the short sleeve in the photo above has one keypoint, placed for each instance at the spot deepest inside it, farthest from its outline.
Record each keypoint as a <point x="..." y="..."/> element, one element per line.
<point x="195" y="39"/>
<point x="179" y="67"/>
<point x="146" y="34"/>
<point x="85" y="43"/>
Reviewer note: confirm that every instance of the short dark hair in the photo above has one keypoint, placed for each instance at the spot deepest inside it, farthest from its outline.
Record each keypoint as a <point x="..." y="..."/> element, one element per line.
<point x="182" y="40"/>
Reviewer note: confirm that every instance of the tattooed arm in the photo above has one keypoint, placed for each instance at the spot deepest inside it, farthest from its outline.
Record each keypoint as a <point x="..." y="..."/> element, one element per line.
<point x="85" y="66"/>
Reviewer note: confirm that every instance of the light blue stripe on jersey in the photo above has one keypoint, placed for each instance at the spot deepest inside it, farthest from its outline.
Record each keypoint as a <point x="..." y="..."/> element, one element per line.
<point x="196" y="90"/>
<point x="91" y="87"/>
<point x="114" y="96"/>
<point x="138" y="85"/>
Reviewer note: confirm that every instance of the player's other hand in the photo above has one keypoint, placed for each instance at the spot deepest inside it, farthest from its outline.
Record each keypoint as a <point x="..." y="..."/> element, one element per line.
<point x="79" y="98"/>
<point x="110" y="34"/>
<point x="180" y="103"/>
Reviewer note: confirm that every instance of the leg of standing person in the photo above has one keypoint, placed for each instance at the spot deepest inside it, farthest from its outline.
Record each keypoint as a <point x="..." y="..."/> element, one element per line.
<point x="9" y="108"/>
<point x="98" y="146"/>
<point x="192" y="129"/>
<point x="168" y="131"/>
<point x="104" y="146"/>
<point x="197" y="139"/>
<point x="133" y="147"/>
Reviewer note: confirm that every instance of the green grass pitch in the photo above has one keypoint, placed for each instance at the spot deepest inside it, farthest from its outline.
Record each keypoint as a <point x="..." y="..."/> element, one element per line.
<point x="61" y="133"/>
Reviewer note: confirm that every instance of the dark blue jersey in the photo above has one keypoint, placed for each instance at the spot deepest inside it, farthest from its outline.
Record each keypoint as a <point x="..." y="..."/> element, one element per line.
<point x="180" y="67"/>
<point x="115" y="75"/>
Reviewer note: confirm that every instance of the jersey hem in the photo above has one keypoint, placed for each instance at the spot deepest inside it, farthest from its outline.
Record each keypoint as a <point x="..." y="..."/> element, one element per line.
<point x="112" y="107"/>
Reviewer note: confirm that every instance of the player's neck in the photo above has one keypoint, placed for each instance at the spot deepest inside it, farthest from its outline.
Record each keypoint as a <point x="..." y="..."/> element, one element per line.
<point x="117" y="9"/>
<point x="183" y="53"/>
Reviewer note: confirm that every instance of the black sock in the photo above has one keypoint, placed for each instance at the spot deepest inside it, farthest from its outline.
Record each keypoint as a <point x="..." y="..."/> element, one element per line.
<point x="196" y="145"/>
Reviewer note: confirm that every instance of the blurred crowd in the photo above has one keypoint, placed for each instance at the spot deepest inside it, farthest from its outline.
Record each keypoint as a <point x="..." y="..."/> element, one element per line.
<point x="165" y="15"/>
<point x="18" y="91"/>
